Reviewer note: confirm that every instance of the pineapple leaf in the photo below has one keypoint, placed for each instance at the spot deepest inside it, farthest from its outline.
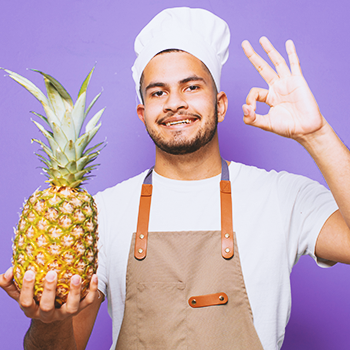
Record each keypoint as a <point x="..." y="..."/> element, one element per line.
<point x="81" y="144"/>
<point x="78" y="114"/>
<point x="93" y="148"/>
<point x="60" y="89"/>
<point x="61" y="157"/>
<point x="92" y="103"/>
<point x="36" y="92"/>
<point x="46" y="149"/>
<point x="93" y="132"/>
<point x="44" y="160"/>
<point x="94" y="120"/>
<point x="65" y="163"/>
<point x="51" y="162"/>
<point x="59" y="136"/>
<point x="82" y="162"/>
<point x="67" y="126"/>
<point x="55" y="99"/>
<point x="33" y="89"/>
<point x="76" y="183"/>
<point x="85" y="84"/>
<point x="42" y="117"/>
<point x="69" y="151"/>
<point x="72" y="166"/>
<point x="52" y="142"/>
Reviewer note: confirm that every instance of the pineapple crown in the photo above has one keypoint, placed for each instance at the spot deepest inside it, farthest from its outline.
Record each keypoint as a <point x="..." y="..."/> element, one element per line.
<point x="68" y="159"/>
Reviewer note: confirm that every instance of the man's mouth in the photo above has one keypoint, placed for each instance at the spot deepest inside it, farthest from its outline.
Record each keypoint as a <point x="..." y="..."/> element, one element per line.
<point x="177" y="122"/>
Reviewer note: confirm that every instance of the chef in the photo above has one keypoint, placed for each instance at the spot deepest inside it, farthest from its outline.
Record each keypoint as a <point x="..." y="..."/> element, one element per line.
<point x="196" y="252"/>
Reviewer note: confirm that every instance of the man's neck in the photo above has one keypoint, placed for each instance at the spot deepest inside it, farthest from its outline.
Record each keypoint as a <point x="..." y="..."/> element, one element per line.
<point x="202" y="164"/>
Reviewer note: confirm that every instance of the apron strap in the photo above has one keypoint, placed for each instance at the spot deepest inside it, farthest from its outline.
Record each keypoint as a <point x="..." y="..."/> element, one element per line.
<point x="227" y="251"/>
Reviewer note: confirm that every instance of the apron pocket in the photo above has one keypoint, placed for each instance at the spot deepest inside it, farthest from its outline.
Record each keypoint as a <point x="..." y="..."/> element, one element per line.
<point x="161" y="317"/>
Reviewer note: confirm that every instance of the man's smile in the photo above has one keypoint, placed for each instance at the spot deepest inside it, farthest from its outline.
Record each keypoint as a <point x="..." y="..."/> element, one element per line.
<point x="178" y="120"/>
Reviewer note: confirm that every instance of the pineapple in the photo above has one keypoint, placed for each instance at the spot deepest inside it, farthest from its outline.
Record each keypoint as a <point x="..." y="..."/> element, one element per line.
<point x="57" y="229"/>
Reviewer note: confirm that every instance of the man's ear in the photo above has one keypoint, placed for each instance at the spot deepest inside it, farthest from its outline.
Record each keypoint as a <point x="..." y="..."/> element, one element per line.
<point x="222" y="103"/>
<point x="140" y="109"/>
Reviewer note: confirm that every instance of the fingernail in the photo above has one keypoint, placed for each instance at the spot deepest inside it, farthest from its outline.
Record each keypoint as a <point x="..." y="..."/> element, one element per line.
<point x="75" y="280"/>
<point x="29" y="276"/>
<point x="94" y="279"/>
<point x="50" y="276"/>
<point x="8" y="274"/>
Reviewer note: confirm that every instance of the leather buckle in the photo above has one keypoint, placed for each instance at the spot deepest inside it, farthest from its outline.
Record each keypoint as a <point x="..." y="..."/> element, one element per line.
<point x="208" y="300"/>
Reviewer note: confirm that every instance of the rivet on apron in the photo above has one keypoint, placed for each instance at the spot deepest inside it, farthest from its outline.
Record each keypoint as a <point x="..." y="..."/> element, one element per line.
<point x="221" y="298"/>
<point x="140" y="251"/>
<point x="142" y="236"/>
<point x="227" y="250"/>
<point x="194" y="302"/>
<point x="227" y="235"/>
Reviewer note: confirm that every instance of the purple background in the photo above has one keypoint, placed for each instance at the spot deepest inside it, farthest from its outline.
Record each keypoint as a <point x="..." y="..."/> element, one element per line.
<point x="65" y="39"/>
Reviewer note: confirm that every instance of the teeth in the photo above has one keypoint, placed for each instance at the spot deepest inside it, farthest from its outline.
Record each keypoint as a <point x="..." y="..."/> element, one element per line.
<point x="184" y="121"/>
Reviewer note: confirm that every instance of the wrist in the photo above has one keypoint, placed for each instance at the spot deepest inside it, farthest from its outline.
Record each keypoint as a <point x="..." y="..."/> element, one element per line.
<point x="50" y="336"/>
<point x="319" y="140"/>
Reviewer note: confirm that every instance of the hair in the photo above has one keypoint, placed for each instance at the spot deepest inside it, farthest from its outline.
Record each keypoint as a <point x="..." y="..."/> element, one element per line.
<point x="168" y="51"/>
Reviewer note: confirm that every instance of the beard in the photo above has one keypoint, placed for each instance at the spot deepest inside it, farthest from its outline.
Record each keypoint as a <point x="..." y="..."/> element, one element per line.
<point x="180" y="144"/>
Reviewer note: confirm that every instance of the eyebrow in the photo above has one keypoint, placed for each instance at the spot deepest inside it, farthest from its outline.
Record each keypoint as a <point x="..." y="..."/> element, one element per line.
<point x="183" y="81"/>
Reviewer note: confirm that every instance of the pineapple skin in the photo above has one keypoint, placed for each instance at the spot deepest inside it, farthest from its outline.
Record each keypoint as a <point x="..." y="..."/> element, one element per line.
<point x="57" y="230"/>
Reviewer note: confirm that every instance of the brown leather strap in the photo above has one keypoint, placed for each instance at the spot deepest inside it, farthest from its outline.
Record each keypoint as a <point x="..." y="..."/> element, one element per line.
<point x="142" y="222"/>
<point x="208" y="300"/>
<point x="227" y="250"/>
<point x="226" y="220"/>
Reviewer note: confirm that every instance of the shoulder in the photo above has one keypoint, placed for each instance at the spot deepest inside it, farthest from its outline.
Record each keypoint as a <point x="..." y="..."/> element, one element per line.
<point x="252" y="182"/>
<point x="252" y="175"/>
<point x="121" y="192"/>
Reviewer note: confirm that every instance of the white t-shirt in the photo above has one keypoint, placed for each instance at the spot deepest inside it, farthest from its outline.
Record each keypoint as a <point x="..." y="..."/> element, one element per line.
<point x="277" y="218"/>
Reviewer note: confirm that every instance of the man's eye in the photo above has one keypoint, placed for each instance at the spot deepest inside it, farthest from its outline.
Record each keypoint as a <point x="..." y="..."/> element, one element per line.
<point x="192" y="88"/>
<point x="158" y="93"/>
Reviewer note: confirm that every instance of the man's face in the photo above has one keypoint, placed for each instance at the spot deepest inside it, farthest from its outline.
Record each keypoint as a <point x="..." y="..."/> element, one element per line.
<point x="180" y="103"/>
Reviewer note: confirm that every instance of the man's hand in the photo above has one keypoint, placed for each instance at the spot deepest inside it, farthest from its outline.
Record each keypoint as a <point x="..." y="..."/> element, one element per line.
<point x="46" y="311"/>
<point x="293" y="112"/>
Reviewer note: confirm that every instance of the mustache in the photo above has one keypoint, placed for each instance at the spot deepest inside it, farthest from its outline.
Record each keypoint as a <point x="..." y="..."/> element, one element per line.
<point x="180" y="113"/>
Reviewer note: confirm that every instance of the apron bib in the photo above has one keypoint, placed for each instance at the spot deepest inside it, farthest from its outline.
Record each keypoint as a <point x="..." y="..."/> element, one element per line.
<point x="185" y="290"/>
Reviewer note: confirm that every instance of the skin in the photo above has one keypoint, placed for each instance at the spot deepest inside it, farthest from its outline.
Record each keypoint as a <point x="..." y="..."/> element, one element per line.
<point x="174" y="84"/>
<point x="177" y="83"/>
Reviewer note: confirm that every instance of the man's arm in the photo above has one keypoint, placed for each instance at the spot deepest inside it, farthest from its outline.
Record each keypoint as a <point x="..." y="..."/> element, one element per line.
<point x="294" y="113"/>
<point x="66" y="328"/>
<point x="72" y="333"/>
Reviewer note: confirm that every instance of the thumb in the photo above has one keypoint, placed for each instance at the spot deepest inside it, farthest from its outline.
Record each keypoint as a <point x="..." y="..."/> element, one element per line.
<point x="249" y="115"/>
<point x="257" y="120"/>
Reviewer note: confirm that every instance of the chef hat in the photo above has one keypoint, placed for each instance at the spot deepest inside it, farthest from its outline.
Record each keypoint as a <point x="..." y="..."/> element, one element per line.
<point x="196" y="31"/>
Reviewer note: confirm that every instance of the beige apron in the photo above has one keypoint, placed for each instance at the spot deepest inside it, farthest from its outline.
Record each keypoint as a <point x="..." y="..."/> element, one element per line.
<point x="185" y="290"/>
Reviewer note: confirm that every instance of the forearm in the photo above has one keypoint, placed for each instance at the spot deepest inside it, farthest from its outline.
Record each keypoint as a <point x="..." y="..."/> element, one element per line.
<point x="58" y="335"/>
<point x="333" y="159"/>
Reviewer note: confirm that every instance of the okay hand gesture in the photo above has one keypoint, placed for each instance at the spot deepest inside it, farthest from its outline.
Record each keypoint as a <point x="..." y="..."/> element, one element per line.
<point x="293" y="110"/>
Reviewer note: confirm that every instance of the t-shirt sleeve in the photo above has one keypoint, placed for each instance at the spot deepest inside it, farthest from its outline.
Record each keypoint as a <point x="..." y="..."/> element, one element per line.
<point x="306" y="206"/>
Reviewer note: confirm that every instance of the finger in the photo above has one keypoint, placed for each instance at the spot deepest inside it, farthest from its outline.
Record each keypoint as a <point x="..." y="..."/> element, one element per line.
<point x="92" y="294"/>
<point x="268" y="74"/>
<point x="275" y="57"/>
<point x="26" y="301"/>
<point x="73" y="300"/>
<point x="293" y="58"/>
<point x="248" y="114"/>
<point x="7" y="284"/>
<point x="256" y="94"/>
<point x="254" y="119"/>
<point x="47" y="301"/>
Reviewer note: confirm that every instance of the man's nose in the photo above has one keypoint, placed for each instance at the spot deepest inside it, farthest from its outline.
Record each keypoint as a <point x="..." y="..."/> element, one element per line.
<point x="175" y="101"/>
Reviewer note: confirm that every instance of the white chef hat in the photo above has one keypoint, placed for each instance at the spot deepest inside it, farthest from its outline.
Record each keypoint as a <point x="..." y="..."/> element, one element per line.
<point x="196" y="31"/>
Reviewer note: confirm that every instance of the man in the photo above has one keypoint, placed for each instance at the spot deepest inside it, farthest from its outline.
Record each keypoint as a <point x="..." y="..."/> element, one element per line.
<point x="208" y="264"/>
